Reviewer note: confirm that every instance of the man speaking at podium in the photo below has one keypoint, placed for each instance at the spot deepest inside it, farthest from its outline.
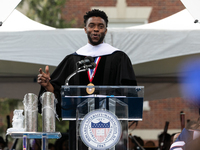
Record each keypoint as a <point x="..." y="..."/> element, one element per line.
<point x="113" y="66"/>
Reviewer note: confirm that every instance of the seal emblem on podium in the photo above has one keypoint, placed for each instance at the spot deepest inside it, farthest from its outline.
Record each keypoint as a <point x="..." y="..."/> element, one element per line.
<point x="100" y="129"/>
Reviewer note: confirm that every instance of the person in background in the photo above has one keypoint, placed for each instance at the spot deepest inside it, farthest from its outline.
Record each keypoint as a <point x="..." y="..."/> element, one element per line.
<point x="167" y="141"/>
<point x="51" y="146"/>
<point x="2" y="143"/>
<point x="174" y="137"/>
<point x="150" y="145"/>
<point x="135" y="142"/>
<point x="62" y="143"/>
<point x="189" y="138"/>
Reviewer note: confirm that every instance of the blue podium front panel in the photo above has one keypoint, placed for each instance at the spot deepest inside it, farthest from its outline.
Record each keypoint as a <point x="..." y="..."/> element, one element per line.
<point x="130" y="95"/>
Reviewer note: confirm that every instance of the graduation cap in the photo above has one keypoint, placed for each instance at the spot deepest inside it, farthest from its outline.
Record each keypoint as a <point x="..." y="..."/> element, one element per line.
<point x="6" y="8"/>
<point x="193" y="6"/>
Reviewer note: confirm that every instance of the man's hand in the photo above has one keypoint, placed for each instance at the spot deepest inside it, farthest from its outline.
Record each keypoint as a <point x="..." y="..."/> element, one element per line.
<point x="44" y="78"/>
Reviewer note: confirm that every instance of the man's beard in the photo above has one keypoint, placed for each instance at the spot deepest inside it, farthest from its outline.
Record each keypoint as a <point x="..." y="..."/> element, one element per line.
<point x="98" y="42"/>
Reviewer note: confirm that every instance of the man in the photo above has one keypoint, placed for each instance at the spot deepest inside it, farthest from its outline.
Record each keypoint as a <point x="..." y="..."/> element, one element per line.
<point x="113" y="67"/>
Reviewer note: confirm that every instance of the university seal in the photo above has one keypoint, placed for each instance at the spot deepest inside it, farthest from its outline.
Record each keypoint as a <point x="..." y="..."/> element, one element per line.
<point x="100" y="129"/>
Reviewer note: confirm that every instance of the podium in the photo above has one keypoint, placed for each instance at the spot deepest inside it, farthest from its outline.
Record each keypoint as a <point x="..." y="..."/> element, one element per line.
<point x="123" y="102"/>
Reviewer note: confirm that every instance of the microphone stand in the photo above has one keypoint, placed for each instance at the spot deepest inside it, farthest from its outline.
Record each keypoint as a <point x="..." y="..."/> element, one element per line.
<point x="81" y="69"/>
<point x="70" y="76"/>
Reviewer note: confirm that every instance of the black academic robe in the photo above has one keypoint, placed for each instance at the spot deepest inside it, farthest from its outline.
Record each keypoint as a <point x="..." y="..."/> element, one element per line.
<point x="113" y="69"/>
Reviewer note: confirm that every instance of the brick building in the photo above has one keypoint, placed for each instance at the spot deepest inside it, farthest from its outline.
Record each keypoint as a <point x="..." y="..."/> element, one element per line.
<point x="136" y="10"/>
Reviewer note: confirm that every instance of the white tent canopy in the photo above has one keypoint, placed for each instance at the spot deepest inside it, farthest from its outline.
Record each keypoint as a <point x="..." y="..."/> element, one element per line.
<point x="25" y="43"/>
<point x="155" y="49"/>
<point x="18" y="22"/>
<point x="160" y="47"/>
<point x="179" y="21"/>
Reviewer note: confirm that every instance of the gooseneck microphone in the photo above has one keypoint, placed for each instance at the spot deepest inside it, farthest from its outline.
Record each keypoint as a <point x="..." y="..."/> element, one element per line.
<point x="86" y="60"/>
<point x="90" y="66"/>
<point x="87" y="63"/>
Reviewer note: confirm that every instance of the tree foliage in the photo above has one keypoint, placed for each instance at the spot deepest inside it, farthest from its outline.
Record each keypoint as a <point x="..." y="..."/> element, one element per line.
<point x="7" y="106"/>
<point x="47" y="12"/>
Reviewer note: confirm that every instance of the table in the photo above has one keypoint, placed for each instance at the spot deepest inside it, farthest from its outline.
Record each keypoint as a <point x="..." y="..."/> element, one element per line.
<point x="36" y="135"/>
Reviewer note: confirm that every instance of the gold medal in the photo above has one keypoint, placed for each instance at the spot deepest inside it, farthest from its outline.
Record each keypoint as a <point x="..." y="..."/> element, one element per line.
<point x="90" y="90"/>
<point x="91" y="74"/>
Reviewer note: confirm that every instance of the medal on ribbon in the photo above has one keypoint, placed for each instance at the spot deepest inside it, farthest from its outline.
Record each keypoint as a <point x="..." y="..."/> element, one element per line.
<point x="91" y="73"/>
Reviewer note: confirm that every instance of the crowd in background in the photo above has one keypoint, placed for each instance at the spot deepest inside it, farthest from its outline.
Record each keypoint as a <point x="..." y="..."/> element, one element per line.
<point x="60" y="144"/>
<point x="135" y="143"/>
<point x="165" y="141"/>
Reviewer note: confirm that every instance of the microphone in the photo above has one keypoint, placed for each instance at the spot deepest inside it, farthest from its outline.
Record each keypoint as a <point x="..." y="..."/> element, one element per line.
<point x="91" y="66"/>
<point x="86" y="60"/>
<point x="81" y="69"/>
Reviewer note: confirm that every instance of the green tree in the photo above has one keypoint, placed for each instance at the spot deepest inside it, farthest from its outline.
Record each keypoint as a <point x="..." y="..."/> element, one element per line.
<point x="47" y="12"/>
<point x="7" y="106"/>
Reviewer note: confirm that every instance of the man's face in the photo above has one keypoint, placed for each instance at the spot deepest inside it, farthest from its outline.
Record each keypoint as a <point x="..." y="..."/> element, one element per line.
<point x="95" y="30"/>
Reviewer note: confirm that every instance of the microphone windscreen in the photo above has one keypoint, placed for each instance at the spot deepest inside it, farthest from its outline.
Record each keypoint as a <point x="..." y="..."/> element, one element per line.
<point x="90" y="58"/>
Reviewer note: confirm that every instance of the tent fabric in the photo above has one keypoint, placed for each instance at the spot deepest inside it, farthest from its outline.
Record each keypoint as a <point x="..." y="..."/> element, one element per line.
<point x="18" y="22"/>
<point x="170" y="38"/>
<point x="179" y="21"/>
<point x="40" y="47"/>
<point x="6" y="8"/>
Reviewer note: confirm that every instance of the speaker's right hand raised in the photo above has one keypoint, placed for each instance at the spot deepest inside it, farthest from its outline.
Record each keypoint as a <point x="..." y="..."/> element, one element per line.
<point x="44" y="78"/>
